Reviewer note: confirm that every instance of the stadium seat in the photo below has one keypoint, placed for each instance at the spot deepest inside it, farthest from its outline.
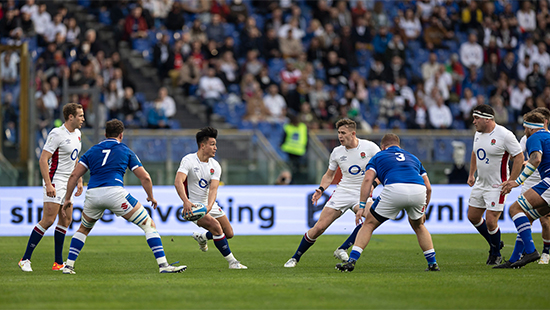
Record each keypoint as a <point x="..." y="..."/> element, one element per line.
<point x="147" y="149"/>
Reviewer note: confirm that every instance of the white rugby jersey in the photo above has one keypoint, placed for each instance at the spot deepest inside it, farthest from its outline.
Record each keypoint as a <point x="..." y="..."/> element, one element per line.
<point x="199" y="174"/>
<point x="534" y="178"/>
<point x="353" y="163"/>
<point x="64" y="146"/>
<point x="492" y="151"/>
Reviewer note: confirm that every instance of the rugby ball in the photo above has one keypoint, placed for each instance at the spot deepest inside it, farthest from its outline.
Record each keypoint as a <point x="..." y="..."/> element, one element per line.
<point x="199" y="211"/>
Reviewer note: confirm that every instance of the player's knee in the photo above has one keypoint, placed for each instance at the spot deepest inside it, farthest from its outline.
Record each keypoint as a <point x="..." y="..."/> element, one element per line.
<point x="229" y="234"/>
<point x="46" y="222"/>
<point x="142" y="219"/>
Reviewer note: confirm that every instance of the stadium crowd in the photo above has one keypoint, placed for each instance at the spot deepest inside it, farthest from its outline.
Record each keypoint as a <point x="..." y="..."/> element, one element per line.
<point x="385" y="64"/>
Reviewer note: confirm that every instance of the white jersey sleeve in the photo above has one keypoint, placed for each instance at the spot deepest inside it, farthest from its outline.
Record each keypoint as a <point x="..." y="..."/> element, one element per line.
<point x="184" y="166"/>
<point x="64" y="147"/>
<point x="353" y="164"/>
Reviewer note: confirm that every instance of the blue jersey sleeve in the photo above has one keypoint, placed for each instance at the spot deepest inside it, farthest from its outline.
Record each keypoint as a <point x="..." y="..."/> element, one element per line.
<point x="533" y="144"/>
<point x="134" y="161"/>
<point x="372" y="163"/>
<point x="84" y="160"/>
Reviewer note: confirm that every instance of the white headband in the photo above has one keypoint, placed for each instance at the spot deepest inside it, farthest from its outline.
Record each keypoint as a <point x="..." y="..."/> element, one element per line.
<point x="533" y="125"/>
<point x="483" y="115"/>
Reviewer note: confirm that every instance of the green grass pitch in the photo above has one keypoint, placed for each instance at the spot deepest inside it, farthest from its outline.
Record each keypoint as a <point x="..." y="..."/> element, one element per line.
<point x="121" y="273"/>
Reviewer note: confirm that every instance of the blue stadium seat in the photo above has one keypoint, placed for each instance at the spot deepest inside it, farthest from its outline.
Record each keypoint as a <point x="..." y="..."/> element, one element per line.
<point x="181" y="147"/>
<point x="416" y="147"/>
<point x="147" y="149"/>
<point x="105" y="17"/>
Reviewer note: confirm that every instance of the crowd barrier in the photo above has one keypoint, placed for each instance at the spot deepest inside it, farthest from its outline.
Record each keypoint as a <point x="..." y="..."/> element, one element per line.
<point x="252" y="210"/>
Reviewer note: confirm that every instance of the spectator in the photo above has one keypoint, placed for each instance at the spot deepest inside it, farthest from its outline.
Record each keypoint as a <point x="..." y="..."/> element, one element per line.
<point x="156" y="118"/>
<point x="135" y="25"/>
<point x="113" y="99"/>
<point x="290" y="46"/>
<point x="30" y="8"/>
<point x="472" y="17"/>
<point x="507" y="37"/>
<point x="535" y="81"/>
<point x="9" y="23"/>
<point x="524" y="68"/>
<point x="290" y="75"/>
<point x="8" y="69"/>
<point x="27" y="25"/>
<point x="466" y="105"/>
<point x="197" y="32"/>
<point x="73" y="33"/>
<point x="410" y="25"/>
<point x="344" y="15"/>
<point x="167" y="102"/>
<point x="380" y="42"/>
<point x="396" y="47"/>
<point x="471" y="53"/>
<point x="377" y="73"/>
<point x="307" y="116"/>
<point x="440" y="115"/>
<point x="175" y="20"/>
<point x="542" y="58"/>
<point x="434" y="34"/>
<point x="294" y="142"/>
<point x="379" y="16"/>
<point x="297" y="33"/>
<point x="490" y="71"/>
<point x="229" y="69"/>
<point x="251" y="36"/>
<point x="517" y="98"/>
<point x="163" y="56"/>
<point x="395" y="69"/>
<point x="528" y="106"/>
<point x="55" y="27"/>
<point x="189" y="76"/>
<point x="509" y="66"/>
<point x="501" y="113"/>
<point x="430" y="67"/>
<point x="256" y="111"/>
<point x="420" y="114"/>
<point x="263" y="79"/>
<point x="271" y="46"/>
<point x="211" y="89"/>
<point x="336" y="73"/>
<point x="527" y="48"/>
<point x="440" y="83"/>
<point x="276" y="20"/>
<point x="502" y="91"/>
<point x="130" y="108"/>
<point x="215" y="30"/>
<point x="238" y="12"/>
<point x="48" y="98"/>
<point x="275" y="103"/>
<point x="391" y="111"/>
<point x="526" y="17"/>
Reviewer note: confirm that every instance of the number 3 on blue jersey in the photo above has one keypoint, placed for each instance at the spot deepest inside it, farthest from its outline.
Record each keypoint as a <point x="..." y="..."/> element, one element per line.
<point x="107" y="152"/>
<point x="482" y="156"/>
<point x="400" y="156"/>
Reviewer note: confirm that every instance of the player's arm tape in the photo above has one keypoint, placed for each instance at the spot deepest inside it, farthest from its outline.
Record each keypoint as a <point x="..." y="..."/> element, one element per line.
<point x="362" y="204"/>
<point x="322" y="189"/>
<point x="527" y="171"/>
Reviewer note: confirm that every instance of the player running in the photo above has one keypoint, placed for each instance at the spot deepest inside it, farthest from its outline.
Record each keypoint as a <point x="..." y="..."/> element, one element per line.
<point x="493" y="145"/>
<point x="107" y="162"/>
<point x="197" y="180"/>
<point x="57" y="161"/>
<point x="352" y="157"/>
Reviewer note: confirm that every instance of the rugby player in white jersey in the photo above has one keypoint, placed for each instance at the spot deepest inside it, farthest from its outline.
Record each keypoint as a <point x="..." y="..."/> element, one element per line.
<point x="493" y="146"/>
<point x="57" y="161"/>
<point x="352" y="156"/>
<point x="531" y="181"/>
<point x="197" y="181"/>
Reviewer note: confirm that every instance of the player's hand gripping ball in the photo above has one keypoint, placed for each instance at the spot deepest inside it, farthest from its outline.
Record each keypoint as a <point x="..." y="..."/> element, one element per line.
<point x="199" y="211"/>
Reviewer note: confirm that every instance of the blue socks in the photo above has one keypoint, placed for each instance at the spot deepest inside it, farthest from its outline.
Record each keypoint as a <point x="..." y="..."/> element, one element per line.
<point x="36" y="235"/>
<point x="351" y="239"/>
<point x="59" y="239"/>
<point x="524" y="231"/>
<point x="518" y="250"/>
<point x="430" y="256"/>
<point x="355" y="253"/>
<point x="209" y="235"/>
<point x="154" y="242"/>
<point x="546" y="246"/>
<point x="77" y="243"/>
<point x="222" y="245"/>
<point x="305" y="244"/>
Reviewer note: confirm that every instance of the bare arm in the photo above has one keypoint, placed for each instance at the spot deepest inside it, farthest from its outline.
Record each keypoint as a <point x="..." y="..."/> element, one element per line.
<point x="147" y="184"/>
<point x="326" y="180"/>
<point x="45" y="171"/>
<point x="517" y="165"/>
<point x="180" y="189"/>
<point x="77" y="174"/>
<point x="428" y="188"/>
<point x="212" y="193"/>
<point x="473" y="168"/>
<point x="532" y="164"/>
<point x="79" y="186"/>
<point x="366" y="190"/>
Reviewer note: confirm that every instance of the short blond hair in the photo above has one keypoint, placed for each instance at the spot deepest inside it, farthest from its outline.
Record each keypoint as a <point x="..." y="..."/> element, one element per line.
<point x="389" y="139"/>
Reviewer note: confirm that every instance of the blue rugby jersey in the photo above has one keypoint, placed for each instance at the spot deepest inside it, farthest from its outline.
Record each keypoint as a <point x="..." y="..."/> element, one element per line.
<point x="395" y="165"/>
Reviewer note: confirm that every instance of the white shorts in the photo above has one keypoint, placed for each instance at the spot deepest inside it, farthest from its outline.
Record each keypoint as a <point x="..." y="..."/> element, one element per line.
<point x="60" y="191"/>
<point x="215" y="212"/>
<point x="343" y="201"/>
<point x="401" y="196"/>
<point x="490" y="199"/>
<point x="114" y="198"/>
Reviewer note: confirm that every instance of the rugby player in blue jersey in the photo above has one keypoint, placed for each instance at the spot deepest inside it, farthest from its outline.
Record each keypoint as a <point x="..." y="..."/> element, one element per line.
<point x="107" y="162"/>
<point x="406" y="187"/>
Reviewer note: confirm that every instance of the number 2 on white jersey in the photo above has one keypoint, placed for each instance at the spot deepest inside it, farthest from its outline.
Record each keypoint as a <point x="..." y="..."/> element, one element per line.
<point x="107" y="152"/>
<point x="400" y="156"/>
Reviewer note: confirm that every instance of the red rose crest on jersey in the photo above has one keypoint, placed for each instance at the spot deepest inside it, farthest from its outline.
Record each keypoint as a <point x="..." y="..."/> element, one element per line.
<point x="493" y="142"/>
<point x="211" y="170"/>
<point x="363" y="155"/>
<point x="124" y="206"/>
<point x="78" y="138"/>
<point x="492" y="204"/>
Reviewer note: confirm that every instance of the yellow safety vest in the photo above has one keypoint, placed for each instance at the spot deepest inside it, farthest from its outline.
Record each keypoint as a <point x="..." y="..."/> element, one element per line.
<point x="296" y="139"/>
